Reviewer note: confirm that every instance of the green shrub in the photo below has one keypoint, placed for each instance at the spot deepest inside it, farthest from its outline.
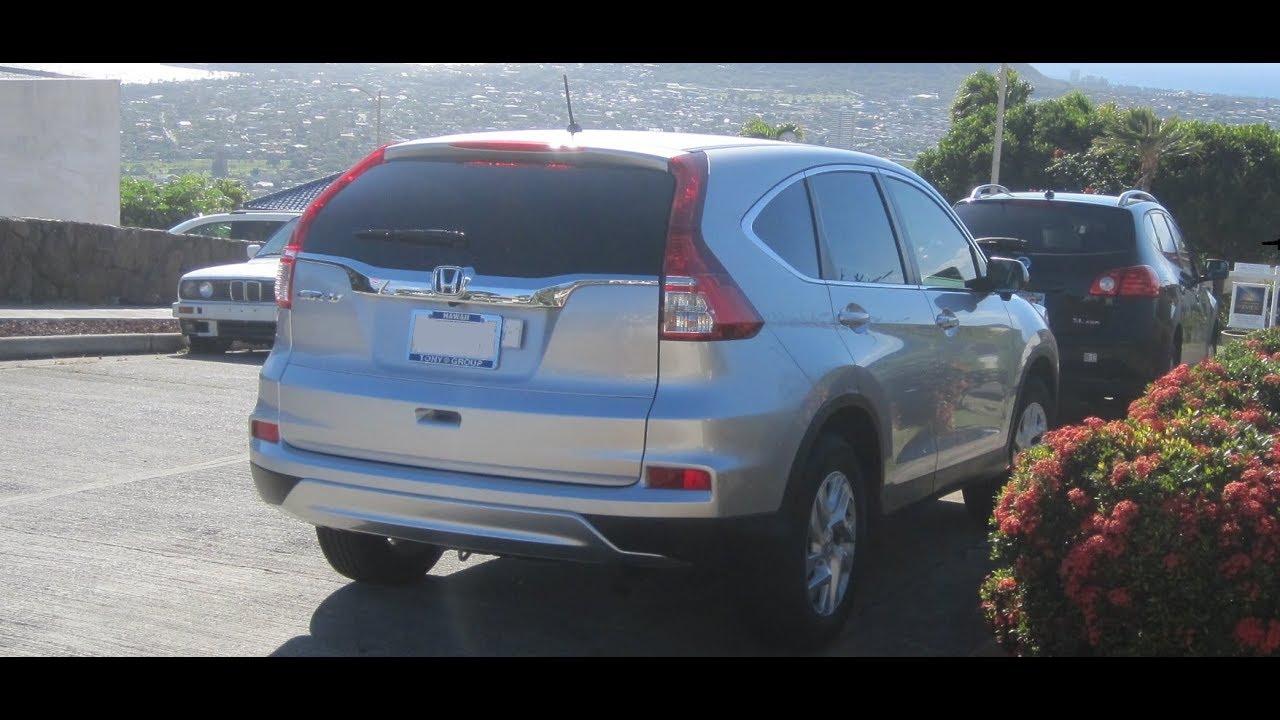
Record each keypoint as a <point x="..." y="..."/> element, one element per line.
<point x="147" y="204"/>
<point x="1154" y="535"/>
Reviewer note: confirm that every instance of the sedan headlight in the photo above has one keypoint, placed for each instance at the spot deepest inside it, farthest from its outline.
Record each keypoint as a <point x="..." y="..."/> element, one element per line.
<point x="206" y="289"/>
<point x="187" y="289"/>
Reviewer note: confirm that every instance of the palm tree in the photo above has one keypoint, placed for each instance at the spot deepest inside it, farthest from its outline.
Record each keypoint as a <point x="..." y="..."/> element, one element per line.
<point x="756" y="127"/>
<point x="982" y="89"/>
<point x="1151" y="139"/>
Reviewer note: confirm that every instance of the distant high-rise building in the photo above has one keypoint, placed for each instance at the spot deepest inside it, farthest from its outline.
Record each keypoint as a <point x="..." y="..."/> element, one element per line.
<point x="220" y="164"/>
<point x="1075" y="75"/>
<point x="842" y="129"/>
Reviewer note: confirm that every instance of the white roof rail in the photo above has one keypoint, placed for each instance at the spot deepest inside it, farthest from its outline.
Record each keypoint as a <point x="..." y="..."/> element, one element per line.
<point x="1129" y="197"/>
<point x="991" y="189"/>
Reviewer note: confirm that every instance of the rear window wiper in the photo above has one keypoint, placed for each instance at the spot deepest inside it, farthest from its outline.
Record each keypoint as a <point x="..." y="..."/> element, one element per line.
<point x="426" y="236"/>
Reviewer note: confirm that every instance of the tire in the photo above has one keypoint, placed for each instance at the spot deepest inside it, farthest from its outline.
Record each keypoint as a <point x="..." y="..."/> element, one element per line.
<point x="815" y="543"/>
<point x="1032" y="419"/>
<point x="376" y="560"/>
<point x="207" y="345"/>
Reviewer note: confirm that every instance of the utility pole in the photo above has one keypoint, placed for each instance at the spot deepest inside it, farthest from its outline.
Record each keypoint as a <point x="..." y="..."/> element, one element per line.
<point x="1002" y="83"/>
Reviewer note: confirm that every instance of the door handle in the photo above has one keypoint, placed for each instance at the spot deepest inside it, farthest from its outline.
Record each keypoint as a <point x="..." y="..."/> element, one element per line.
<point x="854" y="318"/>
<point x="947" y="321"/>
<point x="432" y="416"/>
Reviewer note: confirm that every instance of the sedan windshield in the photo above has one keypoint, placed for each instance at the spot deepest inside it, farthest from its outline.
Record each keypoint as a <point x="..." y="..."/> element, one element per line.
<point x="277" y="242"/>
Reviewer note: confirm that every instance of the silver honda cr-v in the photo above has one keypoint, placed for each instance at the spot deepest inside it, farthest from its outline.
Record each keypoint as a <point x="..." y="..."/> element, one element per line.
<point x="643" y="348"/>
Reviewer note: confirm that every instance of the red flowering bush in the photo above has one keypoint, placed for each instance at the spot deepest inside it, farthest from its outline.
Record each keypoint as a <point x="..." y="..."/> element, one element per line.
<point x="1158" y="534"/>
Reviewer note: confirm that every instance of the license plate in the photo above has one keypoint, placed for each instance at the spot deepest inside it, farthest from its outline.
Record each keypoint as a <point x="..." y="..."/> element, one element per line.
<point x="1035" y="298"/>
<point x="461" y="339"/>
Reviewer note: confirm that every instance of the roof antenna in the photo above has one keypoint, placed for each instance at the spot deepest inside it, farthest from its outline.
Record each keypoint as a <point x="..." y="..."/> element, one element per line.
<point x="573" y="126"/>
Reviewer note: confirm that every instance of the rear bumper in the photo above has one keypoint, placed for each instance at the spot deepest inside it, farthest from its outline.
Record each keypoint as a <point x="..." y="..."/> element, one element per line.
<point x="502" y="516"/>
<point x="1104" y="367"/>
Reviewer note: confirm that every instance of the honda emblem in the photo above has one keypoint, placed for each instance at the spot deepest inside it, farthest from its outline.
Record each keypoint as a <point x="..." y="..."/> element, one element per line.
<point x="448" y="280"/>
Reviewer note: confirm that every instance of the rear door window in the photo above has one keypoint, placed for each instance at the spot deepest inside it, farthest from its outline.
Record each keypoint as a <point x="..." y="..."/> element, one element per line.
<point x="855" y="227"/>
<point x="1181" y="256"/>
<point x="1164" y="238"/>
<point x="502" y="219"/>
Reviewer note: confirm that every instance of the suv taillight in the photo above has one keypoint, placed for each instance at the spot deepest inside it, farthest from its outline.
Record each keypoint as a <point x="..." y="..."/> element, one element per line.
<point x="1136" y="281"/>
<point x="289" y="255"/>
<point x="699" y="299"/>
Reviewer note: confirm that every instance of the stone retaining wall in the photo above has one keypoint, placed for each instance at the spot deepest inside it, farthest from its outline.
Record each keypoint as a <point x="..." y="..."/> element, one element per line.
<point x="54" y="261"/>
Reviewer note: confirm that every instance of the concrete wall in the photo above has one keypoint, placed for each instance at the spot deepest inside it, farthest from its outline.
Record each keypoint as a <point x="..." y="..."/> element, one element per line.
<point x="60" y="149"/>
<point x="49" y="261"/>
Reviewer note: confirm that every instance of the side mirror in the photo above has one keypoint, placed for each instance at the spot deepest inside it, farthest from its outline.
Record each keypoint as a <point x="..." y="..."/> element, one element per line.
<point x="1004" y="275"/>
<point x="1216" y="270"/>
<point x="252" y="250"/>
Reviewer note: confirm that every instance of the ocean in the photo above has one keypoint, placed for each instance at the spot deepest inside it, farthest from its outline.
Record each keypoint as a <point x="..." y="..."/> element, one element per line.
<point x="126" y="73"/>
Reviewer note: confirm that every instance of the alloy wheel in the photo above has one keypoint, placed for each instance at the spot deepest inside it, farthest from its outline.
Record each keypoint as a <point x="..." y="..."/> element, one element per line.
<point x="833" y="524"/>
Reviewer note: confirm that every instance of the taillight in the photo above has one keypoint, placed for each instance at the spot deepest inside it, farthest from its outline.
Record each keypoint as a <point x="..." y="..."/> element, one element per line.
<point x="267" y="431"/>
<point x="284" y="275"/>
<point x="666" y="478"/>
<point x="289" y="255"/>
<point x="506" y="163"/>
<point x="1136" y="281"/>
<point x="699" y="299"/>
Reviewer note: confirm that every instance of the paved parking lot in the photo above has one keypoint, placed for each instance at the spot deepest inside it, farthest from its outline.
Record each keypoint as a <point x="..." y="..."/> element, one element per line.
<point x="129" y="526"/>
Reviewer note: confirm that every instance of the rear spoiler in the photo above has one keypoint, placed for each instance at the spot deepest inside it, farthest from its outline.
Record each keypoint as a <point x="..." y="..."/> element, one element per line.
<point x="519" y="151"/>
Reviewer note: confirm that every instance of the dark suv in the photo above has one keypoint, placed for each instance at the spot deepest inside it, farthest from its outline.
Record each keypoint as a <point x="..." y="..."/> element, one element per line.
<point x="1125" y="296"/>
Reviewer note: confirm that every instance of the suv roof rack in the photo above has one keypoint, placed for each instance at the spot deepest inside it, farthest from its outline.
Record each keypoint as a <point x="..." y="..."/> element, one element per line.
<point x="990" y="189"/>
<point x="1129" y="197"/>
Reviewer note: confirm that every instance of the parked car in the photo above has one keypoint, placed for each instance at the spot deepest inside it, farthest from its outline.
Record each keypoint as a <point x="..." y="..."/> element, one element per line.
<point x="255" y="226"/>
<point x="642" y="348"/>
<point x="219" y="305"/>
<point x="1126" y="297"/>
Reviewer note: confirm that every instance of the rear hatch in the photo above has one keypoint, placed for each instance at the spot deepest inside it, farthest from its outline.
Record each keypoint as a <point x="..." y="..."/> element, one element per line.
<point x="1066" y="247"/>
<point x="481" y="314"/>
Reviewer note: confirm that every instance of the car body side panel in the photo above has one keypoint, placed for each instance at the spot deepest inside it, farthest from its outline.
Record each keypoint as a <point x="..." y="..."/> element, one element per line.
<point x="881" y="367"/>
<point x="975" y="381"/>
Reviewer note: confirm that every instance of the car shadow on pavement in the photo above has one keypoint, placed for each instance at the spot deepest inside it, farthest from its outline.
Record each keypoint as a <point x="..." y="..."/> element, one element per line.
<point x="919" y="597"/>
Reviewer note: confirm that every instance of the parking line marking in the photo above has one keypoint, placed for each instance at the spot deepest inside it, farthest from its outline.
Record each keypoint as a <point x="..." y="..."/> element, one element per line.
<point x="181" y="469"/>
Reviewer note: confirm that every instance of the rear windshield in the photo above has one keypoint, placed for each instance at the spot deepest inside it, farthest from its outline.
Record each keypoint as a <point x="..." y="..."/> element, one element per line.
<point x="1050" y="227"/>
<point x="526" y="221"/>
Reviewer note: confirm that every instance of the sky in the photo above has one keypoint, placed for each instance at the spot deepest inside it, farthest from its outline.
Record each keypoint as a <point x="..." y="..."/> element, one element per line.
<point x="1250" y="79"/>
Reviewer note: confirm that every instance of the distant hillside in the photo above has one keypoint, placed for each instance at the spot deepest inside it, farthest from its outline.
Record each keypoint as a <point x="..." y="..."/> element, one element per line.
<point x="843" y="77"/>
<point x="290" y="123"/>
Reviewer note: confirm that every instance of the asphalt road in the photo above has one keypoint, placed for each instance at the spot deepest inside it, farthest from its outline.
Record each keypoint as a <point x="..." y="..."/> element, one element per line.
<point x="129" y="526"/>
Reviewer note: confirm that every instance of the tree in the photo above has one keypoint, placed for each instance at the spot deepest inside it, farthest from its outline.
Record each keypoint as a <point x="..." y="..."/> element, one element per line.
<point x="147" y="204"/>
<point x="962" y="158"/>
<point x="1150" y="138"/>
<point x="982" y="89"/>
<point x="1226" y="198"/>
<point x="756" y="127"/>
